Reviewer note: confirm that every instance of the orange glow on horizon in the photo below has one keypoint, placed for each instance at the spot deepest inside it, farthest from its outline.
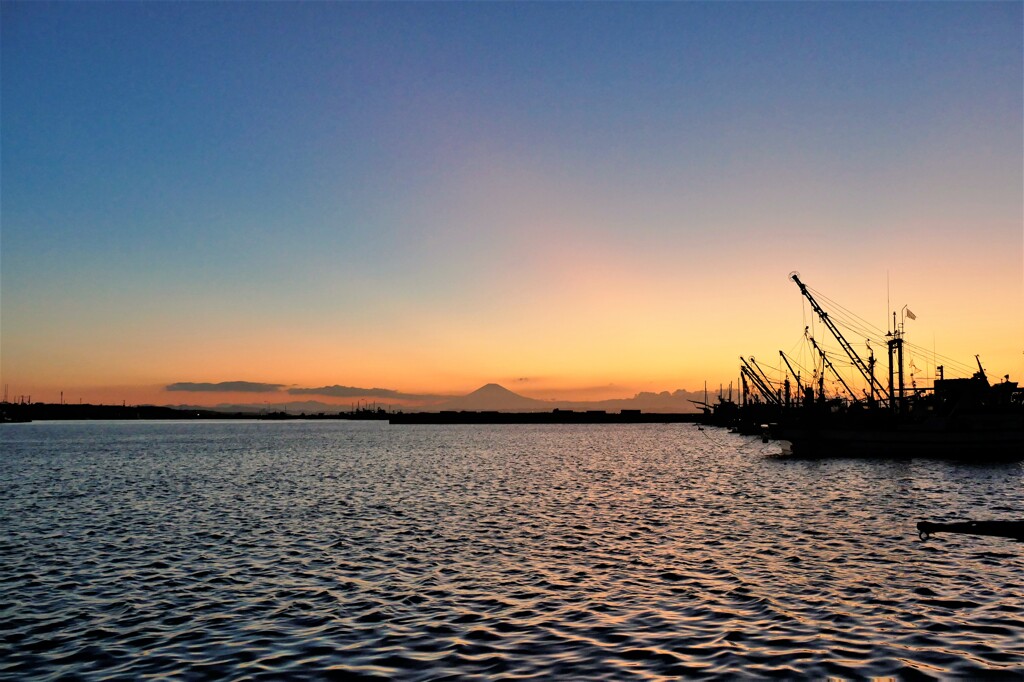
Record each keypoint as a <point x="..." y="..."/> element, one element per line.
<point x="593" y="325"/>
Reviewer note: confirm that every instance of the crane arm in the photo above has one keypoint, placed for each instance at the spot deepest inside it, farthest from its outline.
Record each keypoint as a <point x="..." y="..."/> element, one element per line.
<point x="856" y="359"/>
<point x="759" y="383"/>
<point x="748" y="375"/>
<point x="796" y="375"/>
<point x="831" y="367"/>
<point x="767" y="381"/>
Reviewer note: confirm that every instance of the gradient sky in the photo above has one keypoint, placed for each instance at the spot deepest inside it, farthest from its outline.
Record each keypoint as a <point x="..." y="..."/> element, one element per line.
<point x="573" y="200"/>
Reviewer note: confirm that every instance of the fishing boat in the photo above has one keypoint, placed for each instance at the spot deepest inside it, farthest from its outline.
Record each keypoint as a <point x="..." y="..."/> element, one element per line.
<point x="910" y="440"/>
<point x="966" y="417"/>
<point x="1002" y="529"/>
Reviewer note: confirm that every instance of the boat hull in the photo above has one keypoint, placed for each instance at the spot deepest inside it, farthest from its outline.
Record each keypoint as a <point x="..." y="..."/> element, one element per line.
<point x="1003" y="529"/>
<point x="824" y="442"/>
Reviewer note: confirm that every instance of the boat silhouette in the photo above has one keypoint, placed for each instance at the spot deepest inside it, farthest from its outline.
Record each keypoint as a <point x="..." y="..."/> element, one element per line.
<point x="967" y="417"/>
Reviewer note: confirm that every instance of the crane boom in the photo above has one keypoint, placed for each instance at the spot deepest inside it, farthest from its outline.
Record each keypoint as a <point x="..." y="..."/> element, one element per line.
<point x="748" y="375"/>
<point x="796" y="375"/>
<point x="759" y="383"/>
<point x="856" y="359"/>
<point x="831" y="367"/>
<point x="767" y="381"/>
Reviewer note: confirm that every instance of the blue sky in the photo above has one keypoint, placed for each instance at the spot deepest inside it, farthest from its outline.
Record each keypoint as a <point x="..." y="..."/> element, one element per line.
<point x="394" y="178"/>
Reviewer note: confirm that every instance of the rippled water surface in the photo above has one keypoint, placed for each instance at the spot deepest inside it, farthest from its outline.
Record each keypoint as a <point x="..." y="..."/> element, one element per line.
<point x="333" y="549"/>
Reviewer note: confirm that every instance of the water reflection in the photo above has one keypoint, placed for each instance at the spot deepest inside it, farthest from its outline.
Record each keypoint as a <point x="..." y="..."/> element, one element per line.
<point x="557" y="551"/>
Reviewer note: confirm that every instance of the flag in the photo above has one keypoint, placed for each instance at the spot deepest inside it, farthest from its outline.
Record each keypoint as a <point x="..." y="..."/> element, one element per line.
<point x="911" y="315"/>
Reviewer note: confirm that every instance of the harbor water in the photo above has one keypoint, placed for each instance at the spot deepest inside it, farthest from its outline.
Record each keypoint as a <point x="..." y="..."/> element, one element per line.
<point x="331" y="549"/>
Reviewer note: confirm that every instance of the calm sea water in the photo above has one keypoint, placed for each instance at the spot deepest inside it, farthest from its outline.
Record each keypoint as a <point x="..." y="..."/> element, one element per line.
<point x="334" y="549"/>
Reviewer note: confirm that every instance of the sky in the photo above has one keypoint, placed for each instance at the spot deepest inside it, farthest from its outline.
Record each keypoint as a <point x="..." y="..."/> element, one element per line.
<point x="575" y="200"/>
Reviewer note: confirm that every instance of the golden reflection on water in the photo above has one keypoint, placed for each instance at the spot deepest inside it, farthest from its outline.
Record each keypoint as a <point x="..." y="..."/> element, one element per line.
<point x="568" y="552"/>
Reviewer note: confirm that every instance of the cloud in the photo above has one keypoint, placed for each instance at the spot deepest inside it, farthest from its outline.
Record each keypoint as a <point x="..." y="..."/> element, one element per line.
<point x="337" y="391"/>
<point x="225" y="387"/>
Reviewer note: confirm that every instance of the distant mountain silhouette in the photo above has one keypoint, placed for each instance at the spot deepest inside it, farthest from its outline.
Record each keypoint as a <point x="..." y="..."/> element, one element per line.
<point x="678" y="401"/>
<point x="494" y="397"/>
<point x="486" y="398"/>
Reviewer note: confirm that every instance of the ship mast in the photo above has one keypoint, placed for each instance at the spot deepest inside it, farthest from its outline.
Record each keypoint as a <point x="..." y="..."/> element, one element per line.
<point x="895" y="344"/>
<point x="854" y="358"/>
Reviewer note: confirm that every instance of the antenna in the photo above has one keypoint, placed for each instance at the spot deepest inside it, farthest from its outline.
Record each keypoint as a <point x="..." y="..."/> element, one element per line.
<point x="887" y="301"/>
